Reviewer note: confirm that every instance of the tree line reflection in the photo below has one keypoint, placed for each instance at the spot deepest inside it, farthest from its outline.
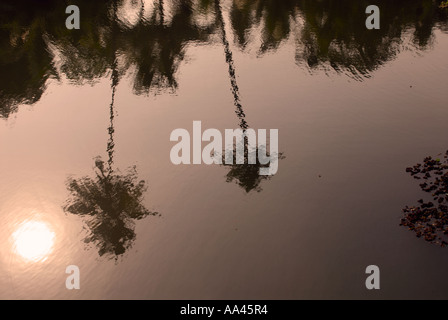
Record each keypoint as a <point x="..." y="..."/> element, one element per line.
<point x="152" y="38"/>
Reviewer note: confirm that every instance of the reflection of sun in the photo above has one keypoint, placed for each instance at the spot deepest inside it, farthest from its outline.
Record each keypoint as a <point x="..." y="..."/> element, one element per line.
<point x="33" y="240"/>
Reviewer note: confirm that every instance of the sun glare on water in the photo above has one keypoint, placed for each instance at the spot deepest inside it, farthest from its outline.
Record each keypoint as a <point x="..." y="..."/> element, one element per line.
<point x="33" y="240"/>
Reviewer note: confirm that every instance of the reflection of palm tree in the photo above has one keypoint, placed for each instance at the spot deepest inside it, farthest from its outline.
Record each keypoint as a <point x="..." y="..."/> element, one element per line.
<point x="111" y="201"/>
<point x="246" y="175"/>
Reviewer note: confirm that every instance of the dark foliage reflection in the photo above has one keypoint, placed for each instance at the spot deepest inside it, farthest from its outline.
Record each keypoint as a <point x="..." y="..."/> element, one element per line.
<point x="36" y="46"/>
<point x="429" y="219"/>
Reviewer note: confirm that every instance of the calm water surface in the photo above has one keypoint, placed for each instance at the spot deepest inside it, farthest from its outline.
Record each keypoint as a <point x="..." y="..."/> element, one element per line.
<point x="85" y="170"/>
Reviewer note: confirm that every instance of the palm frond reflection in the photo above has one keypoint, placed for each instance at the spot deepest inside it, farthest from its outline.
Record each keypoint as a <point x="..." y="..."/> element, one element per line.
<point x="110" y="202"/>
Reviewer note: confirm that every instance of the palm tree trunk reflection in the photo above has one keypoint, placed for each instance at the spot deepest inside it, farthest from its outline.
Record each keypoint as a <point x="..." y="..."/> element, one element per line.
<point x="110" y="202"/>
<point x="246" y="175"/>
<point x="161" y="13"/>
<point x="231" y="66"/>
